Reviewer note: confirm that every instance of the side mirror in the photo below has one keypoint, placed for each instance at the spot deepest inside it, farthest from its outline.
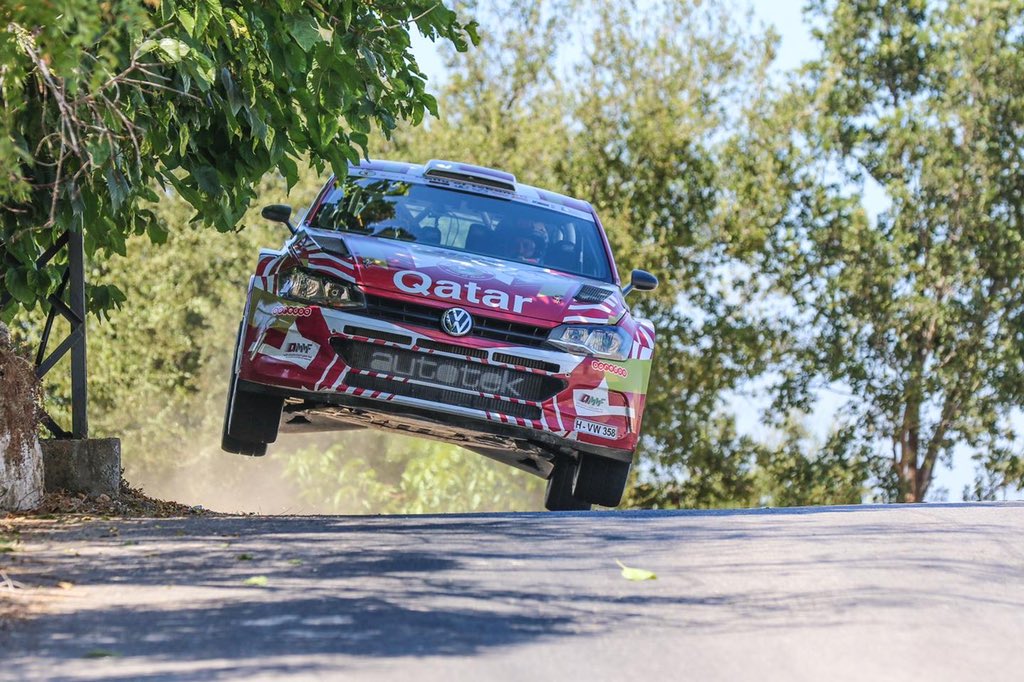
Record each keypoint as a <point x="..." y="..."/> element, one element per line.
<point x="641" y="280"/>
<point x="279" y="213"/>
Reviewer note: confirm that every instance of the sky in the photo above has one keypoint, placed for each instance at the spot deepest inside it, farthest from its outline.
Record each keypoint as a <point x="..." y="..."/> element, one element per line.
<point x="795" y="47"/>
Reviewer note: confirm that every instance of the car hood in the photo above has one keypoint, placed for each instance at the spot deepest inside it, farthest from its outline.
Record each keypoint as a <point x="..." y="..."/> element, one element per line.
<point x="498" y="288"/>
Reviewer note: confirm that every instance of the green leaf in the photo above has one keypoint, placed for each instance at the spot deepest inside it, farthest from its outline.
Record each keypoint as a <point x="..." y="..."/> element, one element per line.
<point x="369" y="57"/>
<point x="289" y="170"/>
<point x="173" y="50"/>
<point x="362" y="140"/>
<point x="146" y="46"/>
<point x="188" y="22"/>
<point x="201" y="16"/>
<point x="256" y="581"/>
<point x="303" y="28"/>
<point x="146" y="192"/>
<point x="471" y="29"/>
<point x="185" y="189"/>
<point x="100" y="653"/>
<point x="16" y="282"/>
<point x="116" y="242"/>
<point x="346" y="14"/>
<point x="208" y="179"/>
<point x="235" y="100"/>
<point x="157" y="232"/>
<point x="167" y="8"/>
<point x="430" y="103"/>
<point x="213" y="11"/>
<point x="117" y="186"/>
<point x="635" y="573"/>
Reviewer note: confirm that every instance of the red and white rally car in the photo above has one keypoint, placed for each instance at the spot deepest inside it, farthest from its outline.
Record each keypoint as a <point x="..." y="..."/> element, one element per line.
<point x="452" y="302"/>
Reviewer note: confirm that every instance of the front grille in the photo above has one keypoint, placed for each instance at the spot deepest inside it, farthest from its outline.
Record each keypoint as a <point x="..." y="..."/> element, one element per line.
<point x="452" y="348"/>
<point x="376" y="334"/>
<point x="441" y="395"/>
<point x="448" y="372"/>
<point x="394" y="310"/>
<point x="525" y="362"/>
<point x="509" y="332"/>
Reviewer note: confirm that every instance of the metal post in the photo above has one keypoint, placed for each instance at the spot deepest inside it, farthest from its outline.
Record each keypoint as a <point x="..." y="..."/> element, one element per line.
<point x="79" y="390"/>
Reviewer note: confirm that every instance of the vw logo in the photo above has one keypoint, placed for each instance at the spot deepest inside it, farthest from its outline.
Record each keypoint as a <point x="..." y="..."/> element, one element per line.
<point x="456" y="322"/>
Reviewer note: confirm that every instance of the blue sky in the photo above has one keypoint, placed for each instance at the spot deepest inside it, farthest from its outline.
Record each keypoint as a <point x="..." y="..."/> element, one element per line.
<point x="796" y="47"/>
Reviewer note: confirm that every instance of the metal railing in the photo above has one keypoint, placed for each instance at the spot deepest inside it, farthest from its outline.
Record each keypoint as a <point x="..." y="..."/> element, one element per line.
<point x="75" y="343"/>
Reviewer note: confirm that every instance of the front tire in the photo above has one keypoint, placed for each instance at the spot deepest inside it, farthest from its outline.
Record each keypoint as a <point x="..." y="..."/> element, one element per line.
<point x="559" y="495"/>
<point x="241" y="447"/>
<point x="253" y="417"/>
<point x="248" y="421"/>
<point x="600" y="480"/>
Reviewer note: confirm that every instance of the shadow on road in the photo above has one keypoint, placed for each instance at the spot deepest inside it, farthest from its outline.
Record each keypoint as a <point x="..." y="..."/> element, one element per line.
<point x="166" y="591"/>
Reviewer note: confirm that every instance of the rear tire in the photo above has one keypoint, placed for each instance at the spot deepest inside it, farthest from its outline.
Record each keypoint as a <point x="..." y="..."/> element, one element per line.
<point x="559" y="495"/>
<point x="600" y="480"/>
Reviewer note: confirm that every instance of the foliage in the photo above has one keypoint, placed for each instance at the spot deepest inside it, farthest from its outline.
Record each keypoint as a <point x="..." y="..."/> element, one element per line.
<point x="747" y="200"/>
<point x="99" y="102"/>
<point x="158" y="368"/>
<point x="370" y="471"/>
<point x="916" y="311"/>
<point x="745" y="196"/>
<point x="501" y="103"/>
<point x="800" y="471"/>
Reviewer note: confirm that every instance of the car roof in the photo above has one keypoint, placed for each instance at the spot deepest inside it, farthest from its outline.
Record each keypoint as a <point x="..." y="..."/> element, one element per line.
<point x="486" y="179"/>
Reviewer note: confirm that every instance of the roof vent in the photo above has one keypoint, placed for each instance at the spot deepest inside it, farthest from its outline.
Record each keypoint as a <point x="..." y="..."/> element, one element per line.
<point x="464" y="172"/>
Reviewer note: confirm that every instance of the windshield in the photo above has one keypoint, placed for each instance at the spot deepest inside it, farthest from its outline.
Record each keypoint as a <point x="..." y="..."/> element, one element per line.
<point x="463" y="221"/>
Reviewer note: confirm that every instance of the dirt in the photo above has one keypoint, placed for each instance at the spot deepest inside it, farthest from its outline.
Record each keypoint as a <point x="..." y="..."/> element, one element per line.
<point x="131" y="503"/>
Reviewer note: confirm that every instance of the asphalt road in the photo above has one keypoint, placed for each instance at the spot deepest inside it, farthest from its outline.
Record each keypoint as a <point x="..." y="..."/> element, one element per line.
<point x="932" y="592"/>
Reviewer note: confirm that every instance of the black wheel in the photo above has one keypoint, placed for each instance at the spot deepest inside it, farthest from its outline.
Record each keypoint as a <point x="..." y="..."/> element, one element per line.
<point x="238" y="435"/>
<point x="241" y="447"/>
<point x="253" y="417"/>
<point x="559" y="495"/>
<point x="600" y="480"/>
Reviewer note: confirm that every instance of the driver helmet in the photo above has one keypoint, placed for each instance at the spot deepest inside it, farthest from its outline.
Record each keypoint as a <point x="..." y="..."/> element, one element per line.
<point x="529" y="241"/>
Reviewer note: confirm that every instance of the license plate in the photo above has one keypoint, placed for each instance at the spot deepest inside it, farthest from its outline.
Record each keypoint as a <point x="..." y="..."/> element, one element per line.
<point x="595" y="429"/>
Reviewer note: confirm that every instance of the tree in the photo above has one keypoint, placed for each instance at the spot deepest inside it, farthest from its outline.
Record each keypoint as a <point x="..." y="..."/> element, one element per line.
<point x="634" y="126"/>
<point x="655" y="93"/>
<point x="917" y="312"/>
<point x="99" y="103"/>
<point x="503" y="105"/>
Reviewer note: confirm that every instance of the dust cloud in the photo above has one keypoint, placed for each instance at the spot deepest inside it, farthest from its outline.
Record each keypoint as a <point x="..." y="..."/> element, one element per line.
<point x="230" y="483"/>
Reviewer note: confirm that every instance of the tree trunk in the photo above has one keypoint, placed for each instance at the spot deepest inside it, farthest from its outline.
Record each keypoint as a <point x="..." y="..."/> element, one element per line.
<point x="21" y="459"/>
<point x="907" y="468"/>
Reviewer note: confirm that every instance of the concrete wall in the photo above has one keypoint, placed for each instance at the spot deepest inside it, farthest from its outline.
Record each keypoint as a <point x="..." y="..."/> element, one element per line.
<point x="90" y="466"/>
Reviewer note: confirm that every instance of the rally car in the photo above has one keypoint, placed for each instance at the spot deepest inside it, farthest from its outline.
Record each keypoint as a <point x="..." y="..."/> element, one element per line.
<point x="452" y="302"/>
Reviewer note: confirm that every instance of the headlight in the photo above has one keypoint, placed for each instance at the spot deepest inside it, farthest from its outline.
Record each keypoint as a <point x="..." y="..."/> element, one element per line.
<point x="304" y="286"/>
<point x="600" y="340"/>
